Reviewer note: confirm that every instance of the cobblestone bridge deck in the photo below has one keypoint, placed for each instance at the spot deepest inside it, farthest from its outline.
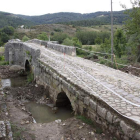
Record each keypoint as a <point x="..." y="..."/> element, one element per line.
<point x="119" y="90"/>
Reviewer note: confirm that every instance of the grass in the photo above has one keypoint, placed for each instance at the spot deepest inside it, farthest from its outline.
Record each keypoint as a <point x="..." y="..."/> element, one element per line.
<point x="2" y="50"/>
<point x="93" y="47"/>
<point x="90" y="122"/>
<point x="85" y="120"/>
<point x="2" y="61"/>
<point x="106" y="28"/>
<point x="17" y="132"/>
<point x="67" y="29"/>
<point x="96" y="48"/>
<point x="1" y="58"/>
<point x="30" y="77"/>
<point x="101" y="28"/>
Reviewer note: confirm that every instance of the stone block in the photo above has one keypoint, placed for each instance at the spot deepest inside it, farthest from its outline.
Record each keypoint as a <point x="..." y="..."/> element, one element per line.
<point x="80" y="97"/>
<point x="127" y="130"/>
<point x="93" y="105"/>
<point x="101" y="111"/>
<point x="2" y="129"/>
<point x="92" y="115"/>
<point x="111" y="129"/>
<point x="109" y="117"/>
<point x="137" y="135"/>
<point x="116" y="120"/>
<point x="86" y="100"/>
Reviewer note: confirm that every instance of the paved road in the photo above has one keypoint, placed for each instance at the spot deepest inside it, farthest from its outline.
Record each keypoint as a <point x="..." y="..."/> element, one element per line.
<point x="119" y="90"/>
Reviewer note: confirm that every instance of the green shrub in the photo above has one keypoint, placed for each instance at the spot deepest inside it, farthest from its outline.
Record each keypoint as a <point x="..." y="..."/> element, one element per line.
<point x="43" y="36"/>
<point x="68" y="42"/>
<point x="4" y="63"/>
<point x="90" y="122"/>
<point x="2" y="58"/>
<point x="58" y="30"/>
<point x="25" y="38"/>
<point x="30" y="77"/>
<point x="60" y="37"/>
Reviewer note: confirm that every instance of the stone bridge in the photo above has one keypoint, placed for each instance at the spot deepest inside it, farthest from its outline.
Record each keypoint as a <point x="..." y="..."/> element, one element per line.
<point x="107" y="96"/>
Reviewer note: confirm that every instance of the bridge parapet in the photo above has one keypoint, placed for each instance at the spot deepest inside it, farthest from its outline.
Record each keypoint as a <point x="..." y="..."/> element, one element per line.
<point x="70" y="50"/>
<point x="17" y="52"/>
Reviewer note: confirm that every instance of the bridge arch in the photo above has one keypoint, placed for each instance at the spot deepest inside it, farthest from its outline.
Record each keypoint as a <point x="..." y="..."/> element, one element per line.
<point x="27" y="65"/>
<point x="63" y="99"/>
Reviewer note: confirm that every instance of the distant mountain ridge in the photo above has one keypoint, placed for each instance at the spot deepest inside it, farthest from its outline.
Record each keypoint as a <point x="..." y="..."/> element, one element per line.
<point x="62" y="17"/>
<point x="8" y="19"/>
<point x="68" y="17"/>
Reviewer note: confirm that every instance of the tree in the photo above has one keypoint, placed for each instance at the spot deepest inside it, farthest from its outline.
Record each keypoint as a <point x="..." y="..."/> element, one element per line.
<point x="119" y="42"/>
<point x="88" y="37"/>
<point x="43" y="36"/>
<point x="9" y="30"/>
<point x="132" y="25"/>
<point x="98" y="40"/>
<point x="25" y="38"/>
<point x="1" y="43"/>
<point x="60" y="37"/>
<point x="76" y="42"/>
<point x="4" y="37"/>
<point x="106" y="46"/>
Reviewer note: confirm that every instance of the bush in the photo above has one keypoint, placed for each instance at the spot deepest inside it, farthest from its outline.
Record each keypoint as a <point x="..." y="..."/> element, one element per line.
<point x="9" y="30"/>
<point x="4" y="63"/>
<point x="25" y="38"/>
<point x="68" y="42"/>
<point x="60" y="37"/>
<point x="43" y="36"/>
<point x="89" y="38"/>
<point x="30" y="77"/>
<point x="58" y="30"/>
<point x="2" y="58"/>
<point x="4" y="37"/>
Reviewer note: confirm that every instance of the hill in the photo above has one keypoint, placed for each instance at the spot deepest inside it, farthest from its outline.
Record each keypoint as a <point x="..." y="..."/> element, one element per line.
<point x="8" y="19"/>
<point x="96" y="18"/>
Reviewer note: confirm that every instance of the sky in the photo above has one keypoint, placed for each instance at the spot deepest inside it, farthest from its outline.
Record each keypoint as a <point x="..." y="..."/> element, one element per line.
<point x="40" y="7"/>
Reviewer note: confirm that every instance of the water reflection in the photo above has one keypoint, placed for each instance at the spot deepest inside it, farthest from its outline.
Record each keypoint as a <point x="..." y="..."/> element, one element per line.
<point x="44" y="114"/>
<point x="14" y="82"/>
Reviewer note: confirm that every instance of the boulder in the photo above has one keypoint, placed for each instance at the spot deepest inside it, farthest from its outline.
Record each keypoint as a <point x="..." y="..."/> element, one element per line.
<point x="16" y="68"/>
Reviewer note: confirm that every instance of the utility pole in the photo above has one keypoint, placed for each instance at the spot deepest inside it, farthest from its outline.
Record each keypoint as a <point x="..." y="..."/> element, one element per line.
<point x="112" y="53"/>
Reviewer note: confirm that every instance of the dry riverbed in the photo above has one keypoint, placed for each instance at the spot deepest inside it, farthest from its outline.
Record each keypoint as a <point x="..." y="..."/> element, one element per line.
<point x="22" y="121"/>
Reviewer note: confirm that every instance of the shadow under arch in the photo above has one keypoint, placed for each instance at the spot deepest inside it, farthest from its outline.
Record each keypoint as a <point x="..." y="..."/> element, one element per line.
<point x="63" y="101"/>
<point x="27" y="66"/>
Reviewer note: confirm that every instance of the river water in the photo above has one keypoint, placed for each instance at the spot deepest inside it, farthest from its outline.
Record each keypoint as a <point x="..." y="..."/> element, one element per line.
<point x="41" y="113"/>
<point x="14" y="82"/>
<point x="44" y="113"/>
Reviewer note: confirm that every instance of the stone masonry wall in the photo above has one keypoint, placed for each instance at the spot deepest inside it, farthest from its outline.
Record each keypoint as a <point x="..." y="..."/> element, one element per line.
<point x="86" y="104"/>
<point x="55" y="46"/>
<point x="82" y="102"/>
<point x="40" y="42"/>
<point x="16" y="53"/>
